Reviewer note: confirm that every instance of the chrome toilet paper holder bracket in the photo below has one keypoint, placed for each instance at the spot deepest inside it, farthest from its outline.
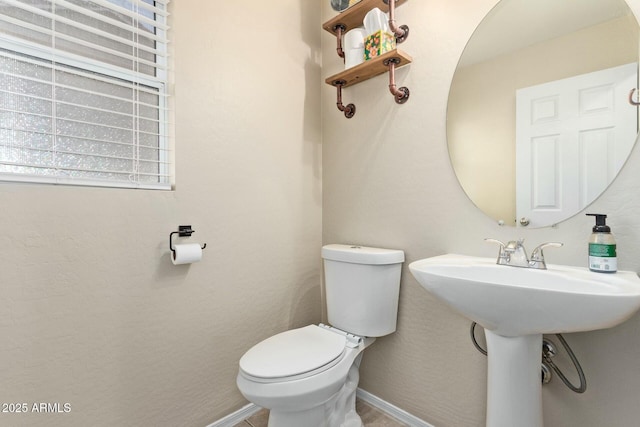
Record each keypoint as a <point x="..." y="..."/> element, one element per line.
<point x="183" y="231"/>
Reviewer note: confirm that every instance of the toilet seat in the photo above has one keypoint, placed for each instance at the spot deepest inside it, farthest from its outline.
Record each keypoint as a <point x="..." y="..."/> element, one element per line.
<point x="293" y="354"/>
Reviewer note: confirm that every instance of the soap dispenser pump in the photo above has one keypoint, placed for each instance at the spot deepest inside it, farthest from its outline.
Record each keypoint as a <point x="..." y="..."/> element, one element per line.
<point x="602" y="247"/>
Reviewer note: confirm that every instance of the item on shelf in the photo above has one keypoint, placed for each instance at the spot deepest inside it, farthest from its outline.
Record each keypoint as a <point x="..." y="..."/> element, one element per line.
<point x="354" y="47"/>
<point x="376" y="20"/>
<point x="379" y="38"/>
<point x="339" y="5"/>
<point x="378" y="43"/>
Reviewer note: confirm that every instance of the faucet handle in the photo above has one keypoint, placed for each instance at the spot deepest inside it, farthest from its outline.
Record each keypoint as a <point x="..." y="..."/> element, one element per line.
<point x="537" y="256"/>
<point x="503" y="257"/>
<point x="502" y="245"/>
<point x="537" y="252"/>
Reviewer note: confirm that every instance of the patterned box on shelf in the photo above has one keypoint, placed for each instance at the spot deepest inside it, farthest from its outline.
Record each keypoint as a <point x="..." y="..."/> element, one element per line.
<point x="378" y="43"/>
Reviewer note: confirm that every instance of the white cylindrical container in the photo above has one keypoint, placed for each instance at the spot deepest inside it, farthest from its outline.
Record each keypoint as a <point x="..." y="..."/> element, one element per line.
<point x="362" y="288"/>
<point x="354" y="47"/>
<point x="186" y="253"/>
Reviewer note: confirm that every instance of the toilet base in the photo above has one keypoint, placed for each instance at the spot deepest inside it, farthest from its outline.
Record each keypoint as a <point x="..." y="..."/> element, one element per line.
<point x="338" y="411"/>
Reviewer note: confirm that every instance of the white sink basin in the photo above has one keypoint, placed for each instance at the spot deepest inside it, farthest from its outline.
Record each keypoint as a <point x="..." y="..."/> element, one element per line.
<point x="516" y="306"/>
<point x="512" y="301"/>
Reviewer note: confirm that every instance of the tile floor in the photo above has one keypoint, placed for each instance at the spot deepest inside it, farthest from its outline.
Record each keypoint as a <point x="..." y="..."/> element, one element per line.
<point x="371" y="417"/>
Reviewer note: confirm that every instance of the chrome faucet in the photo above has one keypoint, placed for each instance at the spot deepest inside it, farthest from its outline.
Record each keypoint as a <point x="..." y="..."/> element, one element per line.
<point x="515" y="255"/>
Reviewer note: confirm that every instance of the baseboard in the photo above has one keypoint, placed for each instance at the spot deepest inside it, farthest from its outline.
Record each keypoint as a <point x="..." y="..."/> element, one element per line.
<point x="382" y="405"/>
<point x="391" y="410"/>
<point x="236" y="417"/>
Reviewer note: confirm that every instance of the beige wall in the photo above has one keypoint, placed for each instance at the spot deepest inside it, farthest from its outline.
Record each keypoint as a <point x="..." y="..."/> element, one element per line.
<point x="388" y="181"/>
<point x="93" y="313"/>
<point x="481" y="110"/>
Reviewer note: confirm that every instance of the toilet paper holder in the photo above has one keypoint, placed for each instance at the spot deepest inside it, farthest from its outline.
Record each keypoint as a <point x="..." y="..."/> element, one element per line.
<point x="183" y="231"/>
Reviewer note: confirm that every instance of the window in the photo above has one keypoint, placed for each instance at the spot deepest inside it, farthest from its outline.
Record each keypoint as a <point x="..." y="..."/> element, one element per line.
<point x="83" y="92"/>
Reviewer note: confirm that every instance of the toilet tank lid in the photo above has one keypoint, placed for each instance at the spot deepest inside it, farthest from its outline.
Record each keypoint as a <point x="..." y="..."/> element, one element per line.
<point x="362" y="255"/>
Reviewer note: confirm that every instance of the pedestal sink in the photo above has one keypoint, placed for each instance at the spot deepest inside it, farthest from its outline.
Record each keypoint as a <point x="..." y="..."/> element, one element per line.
<point x="516" y="306"/>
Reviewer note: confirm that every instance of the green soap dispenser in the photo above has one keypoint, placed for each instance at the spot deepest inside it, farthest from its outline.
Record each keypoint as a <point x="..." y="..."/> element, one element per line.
<point x="602" y="247"/>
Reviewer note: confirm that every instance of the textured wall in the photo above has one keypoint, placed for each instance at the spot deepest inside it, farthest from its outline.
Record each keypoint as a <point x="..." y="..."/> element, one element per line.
<point x="387" y="181"/>
<point x="93" y="313"/>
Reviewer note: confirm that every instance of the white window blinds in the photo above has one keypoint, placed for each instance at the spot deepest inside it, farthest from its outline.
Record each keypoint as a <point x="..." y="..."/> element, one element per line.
<point x="83" y="92"/>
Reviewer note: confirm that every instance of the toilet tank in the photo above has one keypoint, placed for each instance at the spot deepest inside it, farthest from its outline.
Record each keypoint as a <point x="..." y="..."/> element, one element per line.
<point x="362" y="286"/>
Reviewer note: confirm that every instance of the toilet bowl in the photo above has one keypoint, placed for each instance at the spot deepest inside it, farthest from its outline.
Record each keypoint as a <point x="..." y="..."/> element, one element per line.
<point x="307" y="377"/>
<point x="301" y="375"/>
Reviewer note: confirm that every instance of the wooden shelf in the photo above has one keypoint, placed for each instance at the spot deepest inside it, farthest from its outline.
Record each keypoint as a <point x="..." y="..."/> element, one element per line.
<point x="387" y="62"/>
<point x="369" y="69"/>
<point x="353" y="17"/>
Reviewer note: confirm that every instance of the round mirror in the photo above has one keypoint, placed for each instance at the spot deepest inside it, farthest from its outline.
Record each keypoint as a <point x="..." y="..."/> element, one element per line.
<point x="540" y="120"/>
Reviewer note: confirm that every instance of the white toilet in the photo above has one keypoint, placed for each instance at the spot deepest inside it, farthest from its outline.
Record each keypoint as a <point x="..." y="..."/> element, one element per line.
<point x="307" y="377"/>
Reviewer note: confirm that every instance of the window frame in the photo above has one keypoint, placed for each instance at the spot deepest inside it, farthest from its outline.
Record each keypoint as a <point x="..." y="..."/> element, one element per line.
<point x="23" y="50"/>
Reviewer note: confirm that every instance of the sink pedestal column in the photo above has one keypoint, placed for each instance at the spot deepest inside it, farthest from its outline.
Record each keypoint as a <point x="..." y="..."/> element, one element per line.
<point x="514" y="385"/>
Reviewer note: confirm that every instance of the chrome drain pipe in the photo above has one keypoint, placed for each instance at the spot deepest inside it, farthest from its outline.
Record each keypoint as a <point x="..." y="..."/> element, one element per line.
<point x="547" y="365"/>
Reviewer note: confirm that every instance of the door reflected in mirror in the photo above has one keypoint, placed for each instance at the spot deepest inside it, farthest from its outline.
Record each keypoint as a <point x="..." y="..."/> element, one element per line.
<point x="539" y="122"/>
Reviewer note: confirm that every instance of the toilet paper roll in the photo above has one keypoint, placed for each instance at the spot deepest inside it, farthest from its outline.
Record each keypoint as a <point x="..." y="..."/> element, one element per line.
<point x="186" y="254"/>
<point x="354" y="47"/>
